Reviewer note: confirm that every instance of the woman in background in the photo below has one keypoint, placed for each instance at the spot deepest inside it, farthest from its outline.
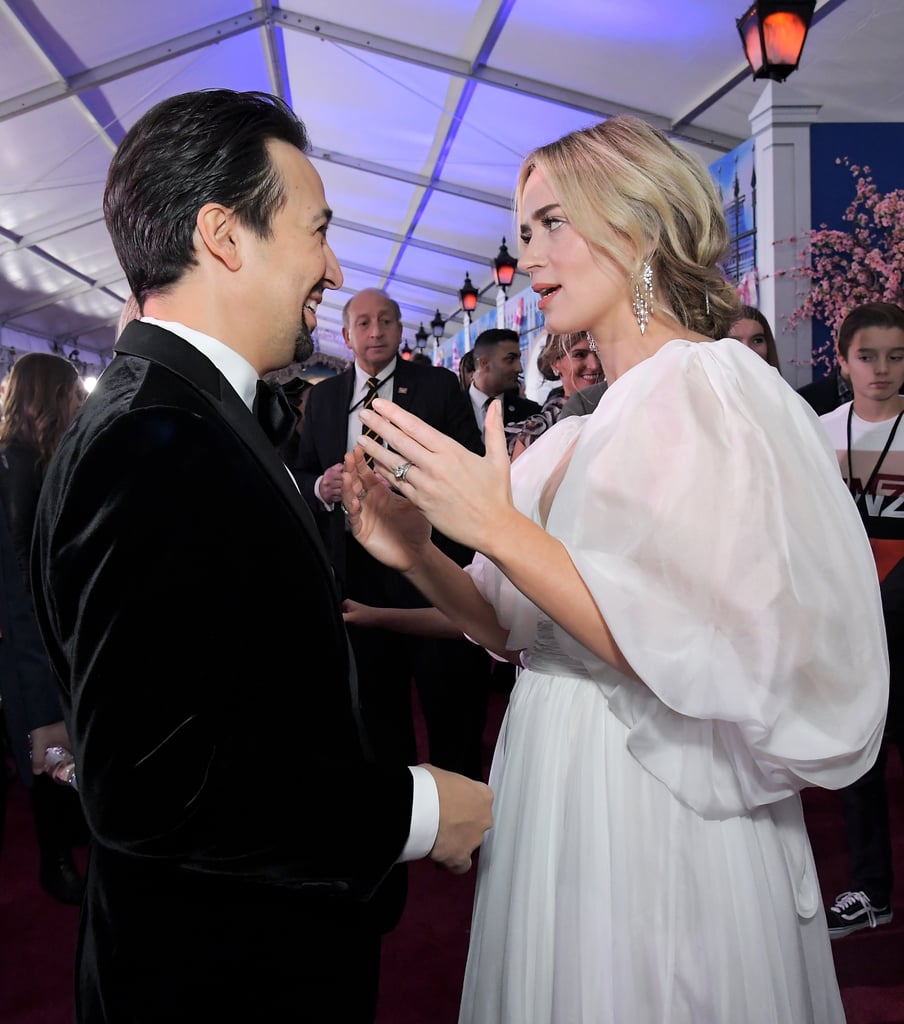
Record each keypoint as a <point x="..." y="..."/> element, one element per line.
<point x="752" y="329"/>
<point x="569" y="358"/>
<point x="466" y="369"/>
<point x="43" y="394"/>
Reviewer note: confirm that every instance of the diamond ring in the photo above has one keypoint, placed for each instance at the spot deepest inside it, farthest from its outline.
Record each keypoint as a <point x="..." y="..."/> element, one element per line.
<point x="401" y="471"/>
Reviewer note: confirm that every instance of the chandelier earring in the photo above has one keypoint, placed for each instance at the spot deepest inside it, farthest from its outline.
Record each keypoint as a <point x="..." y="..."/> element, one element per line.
<point x="643" y="296"/>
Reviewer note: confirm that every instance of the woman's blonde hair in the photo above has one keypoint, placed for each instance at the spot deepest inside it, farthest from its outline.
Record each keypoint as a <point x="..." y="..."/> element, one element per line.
<point x="634" y="195"/>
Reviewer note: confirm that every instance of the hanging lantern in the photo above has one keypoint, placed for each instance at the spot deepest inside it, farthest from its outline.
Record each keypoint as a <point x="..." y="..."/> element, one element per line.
<point x="773" y="34"/>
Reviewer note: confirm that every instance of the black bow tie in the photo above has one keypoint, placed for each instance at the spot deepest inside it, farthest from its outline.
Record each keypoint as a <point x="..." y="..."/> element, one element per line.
<point x="274" y="412"/>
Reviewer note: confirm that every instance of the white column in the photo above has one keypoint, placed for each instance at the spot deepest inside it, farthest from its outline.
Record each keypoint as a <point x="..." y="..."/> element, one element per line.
<point x="500" y="307"/>
<point x="780" y="123"/>
<point x="467" y="331"/>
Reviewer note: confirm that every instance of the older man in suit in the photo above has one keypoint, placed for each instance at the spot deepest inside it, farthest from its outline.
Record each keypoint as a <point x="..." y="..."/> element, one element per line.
<point x="452" y="675"/>
<point x="240" y="830"/>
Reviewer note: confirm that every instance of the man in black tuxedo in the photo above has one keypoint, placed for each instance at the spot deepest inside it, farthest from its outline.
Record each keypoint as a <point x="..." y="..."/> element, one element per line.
<point x="451" y="675"/>
<point x="240" y="831"/>
<point x="497" y="374"/>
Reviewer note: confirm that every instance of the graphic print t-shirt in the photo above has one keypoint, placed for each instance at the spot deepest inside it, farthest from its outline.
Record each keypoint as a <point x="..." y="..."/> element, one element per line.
<point x="882" y="508"/>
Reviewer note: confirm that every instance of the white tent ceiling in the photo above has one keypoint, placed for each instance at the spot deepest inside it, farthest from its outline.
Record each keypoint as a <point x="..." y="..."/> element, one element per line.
<point x="419" y="111"/>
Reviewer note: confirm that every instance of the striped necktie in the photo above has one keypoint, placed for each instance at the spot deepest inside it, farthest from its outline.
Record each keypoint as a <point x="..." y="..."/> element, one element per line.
<point x="373" y="386"/>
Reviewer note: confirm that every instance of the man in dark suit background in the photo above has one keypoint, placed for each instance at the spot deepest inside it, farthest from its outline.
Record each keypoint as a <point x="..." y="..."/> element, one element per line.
<point x="240" y="832"/>
<point x="827" y="394"/>
<point x="497" y="374"/>
<point x="451" y="675"/>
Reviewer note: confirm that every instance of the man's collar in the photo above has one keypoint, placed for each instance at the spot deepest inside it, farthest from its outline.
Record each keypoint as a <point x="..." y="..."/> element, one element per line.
<point x="235" y="368"/>
<point x="362" y="376"/>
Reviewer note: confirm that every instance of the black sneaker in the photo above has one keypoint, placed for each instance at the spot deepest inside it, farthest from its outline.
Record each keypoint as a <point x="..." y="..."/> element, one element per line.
<point x="852" y="911"/>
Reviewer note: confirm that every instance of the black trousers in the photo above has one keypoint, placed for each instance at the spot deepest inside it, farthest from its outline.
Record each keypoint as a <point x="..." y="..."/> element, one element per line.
<point x="864" y="805"/>
<point x="865" y="802"/>
<point x="451" y="676"/>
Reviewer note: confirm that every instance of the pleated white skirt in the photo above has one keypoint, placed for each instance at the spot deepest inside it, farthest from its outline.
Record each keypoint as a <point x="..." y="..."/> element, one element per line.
<point x="601" y="899"/>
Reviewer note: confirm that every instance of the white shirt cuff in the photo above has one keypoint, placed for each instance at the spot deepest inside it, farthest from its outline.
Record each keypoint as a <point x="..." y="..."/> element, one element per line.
<point x="328" y="505"/>
<point x="424" y="816"/>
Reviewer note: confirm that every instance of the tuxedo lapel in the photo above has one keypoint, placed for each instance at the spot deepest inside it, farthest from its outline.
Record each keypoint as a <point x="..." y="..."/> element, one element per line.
<point x="340" y="412"/>
<point x="159" y="346"/>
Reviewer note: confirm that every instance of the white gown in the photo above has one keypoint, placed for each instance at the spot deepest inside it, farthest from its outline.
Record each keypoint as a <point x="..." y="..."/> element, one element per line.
<point x="649" y="862"/>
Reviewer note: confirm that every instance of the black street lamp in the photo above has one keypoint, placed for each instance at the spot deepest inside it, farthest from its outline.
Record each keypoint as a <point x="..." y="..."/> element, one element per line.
<point x="504" y="267"/>
<point x="468" y="295"/>
<point x="773" y="34"/>
<point x="438" y="325"/>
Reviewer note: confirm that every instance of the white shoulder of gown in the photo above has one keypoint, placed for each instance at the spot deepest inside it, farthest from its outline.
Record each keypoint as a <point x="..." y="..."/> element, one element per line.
<point x="704" y="508"/>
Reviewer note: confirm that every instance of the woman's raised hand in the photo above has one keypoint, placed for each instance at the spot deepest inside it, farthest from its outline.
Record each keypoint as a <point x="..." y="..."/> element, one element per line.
<point x="381" y="520"/>
<point x="462" y="494"/>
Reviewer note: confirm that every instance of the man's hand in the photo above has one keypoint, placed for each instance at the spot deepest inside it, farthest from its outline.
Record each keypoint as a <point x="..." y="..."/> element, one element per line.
<point x="465" y="813"/>
<point x="53" y="735"/>
<point x="331" y="484"/>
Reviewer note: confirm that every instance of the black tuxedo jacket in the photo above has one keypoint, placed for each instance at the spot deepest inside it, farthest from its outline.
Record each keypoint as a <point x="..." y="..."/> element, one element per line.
<point x="234" y="813"/>
<point x="822" y="395"/>
<point x="429" y="392"/>
<point x="516" y="408"/>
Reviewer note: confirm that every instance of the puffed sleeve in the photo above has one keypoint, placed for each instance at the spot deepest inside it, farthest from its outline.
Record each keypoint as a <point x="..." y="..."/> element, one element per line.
<point x="704" y="509"/>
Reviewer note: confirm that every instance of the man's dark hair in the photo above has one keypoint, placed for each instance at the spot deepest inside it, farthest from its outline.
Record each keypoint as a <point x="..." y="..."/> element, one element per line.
<point x="870" y="314"/>
<point x="488" y="340"/>
<point x="188" y="150"/>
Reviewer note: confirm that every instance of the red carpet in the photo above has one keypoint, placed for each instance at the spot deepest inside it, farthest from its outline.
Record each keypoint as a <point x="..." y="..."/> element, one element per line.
<point x="423" y="958"/>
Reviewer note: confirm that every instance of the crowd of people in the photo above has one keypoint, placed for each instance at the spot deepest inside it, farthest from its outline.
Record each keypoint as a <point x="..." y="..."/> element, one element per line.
<point x="680" y="663"/>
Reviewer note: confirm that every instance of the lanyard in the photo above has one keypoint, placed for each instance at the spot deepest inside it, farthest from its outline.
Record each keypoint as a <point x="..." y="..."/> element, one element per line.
<point x="867" y="487"/>
<point x="380" y="384"/>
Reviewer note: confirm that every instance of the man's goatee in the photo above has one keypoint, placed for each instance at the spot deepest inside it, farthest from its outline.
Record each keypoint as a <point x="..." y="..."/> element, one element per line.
<point x="304" y="346"/>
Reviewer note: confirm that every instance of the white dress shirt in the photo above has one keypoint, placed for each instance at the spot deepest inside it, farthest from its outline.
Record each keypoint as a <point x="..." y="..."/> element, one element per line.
<point x="480" y="403"/>
<point x="355" y="426"/>
<point x="385" y="390"/>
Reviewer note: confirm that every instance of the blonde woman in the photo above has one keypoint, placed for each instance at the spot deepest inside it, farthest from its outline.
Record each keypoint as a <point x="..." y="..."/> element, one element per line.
<point x="657" y="568"/>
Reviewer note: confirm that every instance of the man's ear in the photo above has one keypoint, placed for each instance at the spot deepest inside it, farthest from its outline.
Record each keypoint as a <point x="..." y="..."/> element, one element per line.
<point x="345" y="338"/>
<point x="220" y="233"/>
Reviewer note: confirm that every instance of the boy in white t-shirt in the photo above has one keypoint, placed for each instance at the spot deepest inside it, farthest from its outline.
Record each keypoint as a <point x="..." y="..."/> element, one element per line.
<point x="868" y="436"/>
